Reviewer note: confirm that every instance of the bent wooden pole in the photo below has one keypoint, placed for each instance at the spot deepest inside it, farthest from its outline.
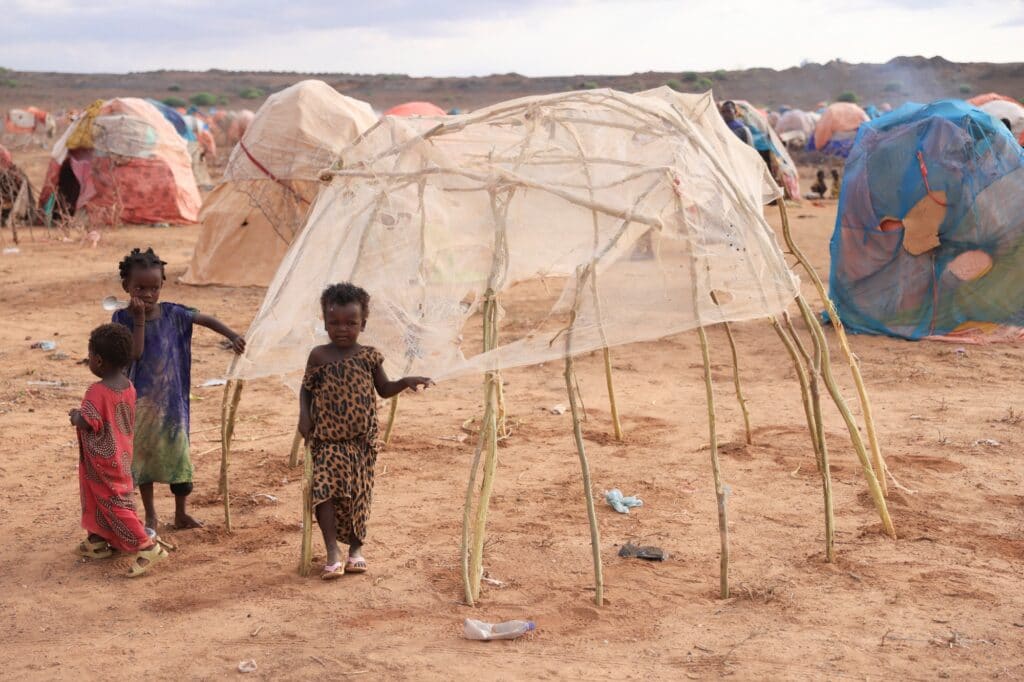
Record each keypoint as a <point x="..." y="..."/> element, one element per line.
<point x="588" y="493"/>
<point x="851" y="359"/>
<point x="805" y="395"/>
<point x="723" y="521"/>
<point x="858" y="444"/>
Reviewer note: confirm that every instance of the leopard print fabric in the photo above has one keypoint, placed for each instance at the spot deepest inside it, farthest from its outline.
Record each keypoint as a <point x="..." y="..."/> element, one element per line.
<point x="343" y="441"/>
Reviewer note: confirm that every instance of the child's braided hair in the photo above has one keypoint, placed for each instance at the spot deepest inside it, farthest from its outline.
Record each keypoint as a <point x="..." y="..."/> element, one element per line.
<point x="113" y="343"/>
<point x="345" y="293"/>
<point x="140" y="259"/>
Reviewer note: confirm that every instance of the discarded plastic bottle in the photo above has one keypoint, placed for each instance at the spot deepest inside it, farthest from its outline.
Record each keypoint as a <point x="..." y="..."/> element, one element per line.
<point x="510" y="629"/>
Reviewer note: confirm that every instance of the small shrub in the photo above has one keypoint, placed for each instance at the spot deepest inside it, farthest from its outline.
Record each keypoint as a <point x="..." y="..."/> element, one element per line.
<point x="174" y="88"/>
<point x="964" y="89"/>
<point x="203" y="99"/>
<point x="251" y="93"/>
<point x="893" y="86"/>
<point x="703" y="83"/>
<point x="675" y="85"/>
<point x="847" y="96"/>
<point x="223" y="100"/>
<point x="174" y="102"/>
<point x="8" y="83"/>
<point x="720" y="75"/>
<point x="690" y="76"/>
<point x="588" y="85"/>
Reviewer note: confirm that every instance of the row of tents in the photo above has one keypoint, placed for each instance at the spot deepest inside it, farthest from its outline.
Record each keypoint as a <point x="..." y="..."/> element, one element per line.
<point x="927" y="240"/>
<point x="832" y="128"/>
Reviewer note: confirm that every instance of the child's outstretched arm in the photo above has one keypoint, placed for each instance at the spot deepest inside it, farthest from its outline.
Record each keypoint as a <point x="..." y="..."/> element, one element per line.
<point x="387" y="388"/>
<point x="211" y="322"/>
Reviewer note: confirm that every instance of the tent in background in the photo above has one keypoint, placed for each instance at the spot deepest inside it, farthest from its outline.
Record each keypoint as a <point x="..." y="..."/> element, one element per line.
<point x="416" y="109"/>
<point x="838" y="126"/>
<point x="929" y="238"/>
<point x="122" y="161"/>
<point x="272" y="177"/>
<point x="795" y="127"/>
<point x="770" y="145"/>
<point x="1009" y="110"/>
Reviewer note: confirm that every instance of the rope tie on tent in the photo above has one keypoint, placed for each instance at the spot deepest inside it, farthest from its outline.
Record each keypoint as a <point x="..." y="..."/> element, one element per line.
<point x="270" y="175"/>
<point x="924" y="176"/>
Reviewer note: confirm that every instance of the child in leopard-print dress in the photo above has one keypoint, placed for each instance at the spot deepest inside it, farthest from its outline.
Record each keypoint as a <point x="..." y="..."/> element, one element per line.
<point x="338" y="418"/>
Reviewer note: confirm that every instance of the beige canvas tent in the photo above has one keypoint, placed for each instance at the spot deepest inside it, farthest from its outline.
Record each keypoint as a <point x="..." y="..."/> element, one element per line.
<point x="251" y="218"/>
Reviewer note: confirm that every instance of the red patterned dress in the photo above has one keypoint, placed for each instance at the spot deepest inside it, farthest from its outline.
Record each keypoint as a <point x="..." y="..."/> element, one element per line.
<point x="105" y="468"/>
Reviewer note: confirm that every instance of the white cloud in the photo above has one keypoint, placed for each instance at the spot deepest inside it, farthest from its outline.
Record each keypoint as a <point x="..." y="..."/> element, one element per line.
<point x="495" y="36"/>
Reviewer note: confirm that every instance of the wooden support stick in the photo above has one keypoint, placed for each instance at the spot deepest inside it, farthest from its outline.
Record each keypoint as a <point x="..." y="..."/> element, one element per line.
<point x="392" y="413"/>
<point x="824" y="467"/>
<point x="813" y="372"/>
<point x="293" y="458"/>
<point x="858" y="444"/>
<point x="736" y="383"/>
<point x="490" y="427"/>
<point x="723" y="524"/>
<point x="306" y="555"/>
<point x="588" y="493"/>
<point x="232" y="394"/>
<point x="467" y="509"/>
<point x="805" y="397"/>
<point x="616" y="423"/>
<point x="851" y="359"/>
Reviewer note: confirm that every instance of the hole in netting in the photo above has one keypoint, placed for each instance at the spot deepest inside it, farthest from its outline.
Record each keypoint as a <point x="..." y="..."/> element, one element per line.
<point x="387" y="219"/>
<point x="890" y="225"/>
<point x="970" y="265"/>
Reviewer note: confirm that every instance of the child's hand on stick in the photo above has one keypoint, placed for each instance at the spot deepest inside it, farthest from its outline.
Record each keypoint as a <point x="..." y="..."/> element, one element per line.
<point x="238" y="344"/>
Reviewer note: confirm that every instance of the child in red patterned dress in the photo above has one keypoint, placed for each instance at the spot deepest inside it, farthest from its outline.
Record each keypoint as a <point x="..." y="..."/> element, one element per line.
<point x="105" y="424"/>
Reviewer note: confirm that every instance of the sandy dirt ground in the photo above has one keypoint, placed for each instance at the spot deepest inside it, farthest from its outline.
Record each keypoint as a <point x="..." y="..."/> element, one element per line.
<point x="945" y="600"/>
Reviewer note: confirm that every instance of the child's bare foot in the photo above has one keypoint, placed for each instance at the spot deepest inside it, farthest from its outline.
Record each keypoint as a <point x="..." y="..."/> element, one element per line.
<point x="185" y="521"/>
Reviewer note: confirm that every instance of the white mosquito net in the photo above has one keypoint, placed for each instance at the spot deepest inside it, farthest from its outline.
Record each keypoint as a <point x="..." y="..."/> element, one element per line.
<point x="643" y="211"/>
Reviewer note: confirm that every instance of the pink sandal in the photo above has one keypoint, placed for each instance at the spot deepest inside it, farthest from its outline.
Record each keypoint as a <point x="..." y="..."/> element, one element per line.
<point x="332" y="571"/>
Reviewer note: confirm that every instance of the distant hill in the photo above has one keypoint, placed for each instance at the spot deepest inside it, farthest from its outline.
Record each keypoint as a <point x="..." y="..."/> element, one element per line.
<point x="898" y="80"/>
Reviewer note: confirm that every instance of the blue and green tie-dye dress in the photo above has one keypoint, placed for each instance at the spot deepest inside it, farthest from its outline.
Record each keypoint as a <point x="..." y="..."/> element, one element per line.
<point x="162" y="378"/>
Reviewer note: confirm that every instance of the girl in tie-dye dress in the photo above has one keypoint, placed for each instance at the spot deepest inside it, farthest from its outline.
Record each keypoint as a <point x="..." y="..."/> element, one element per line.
<point x="162" y="371"/>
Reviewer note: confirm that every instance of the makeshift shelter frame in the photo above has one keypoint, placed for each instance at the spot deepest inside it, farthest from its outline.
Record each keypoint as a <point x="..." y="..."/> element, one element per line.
<point x="501" y="184"/>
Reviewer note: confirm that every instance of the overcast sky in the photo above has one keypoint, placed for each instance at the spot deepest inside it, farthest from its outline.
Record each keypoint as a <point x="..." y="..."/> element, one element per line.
<point x="467" y="37"/>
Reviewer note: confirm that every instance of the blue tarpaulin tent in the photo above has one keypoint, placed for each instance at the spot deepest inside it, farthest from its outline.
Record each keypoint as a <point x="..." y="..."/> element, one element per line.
<point x="929" y="238"/>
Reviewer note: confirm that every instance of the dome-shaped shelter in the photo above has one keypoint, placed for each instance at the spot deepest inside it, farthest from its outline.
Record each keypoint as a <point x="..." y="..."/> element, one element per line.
<point x="929" y="239"/>
<point x="437" y="220"/>
<point x="795" y="127"/>
<point x="252" y="216"/>
<point x="1008" y="111"/>
<point x="771" y="147"/>
<point x="122" y="161"/>
<point x="836" y="129"/>
<point x="416" y="109"/>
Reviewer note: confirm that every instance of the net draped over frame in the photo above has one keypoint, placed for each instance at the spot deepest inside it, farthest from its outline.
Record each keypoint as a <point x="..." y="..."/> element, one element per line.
<point x="644" y="209"/>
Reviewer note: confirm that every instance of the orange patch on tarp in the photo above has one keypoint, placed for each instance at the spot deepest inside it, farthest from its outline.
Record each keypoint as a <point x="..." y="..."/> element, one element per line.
<point x="921" y="224"/>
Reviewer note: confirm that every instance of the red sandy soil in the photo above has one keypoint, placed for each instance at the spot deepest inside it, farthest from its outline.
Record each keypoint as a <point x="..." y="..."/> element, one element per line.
<point x="945" y="600"/>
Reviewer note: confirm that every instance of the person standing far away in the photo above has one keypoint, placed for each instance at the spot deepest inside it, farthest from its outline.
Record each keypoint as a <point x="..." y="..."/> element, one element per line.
<point x="731" y="118"/>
